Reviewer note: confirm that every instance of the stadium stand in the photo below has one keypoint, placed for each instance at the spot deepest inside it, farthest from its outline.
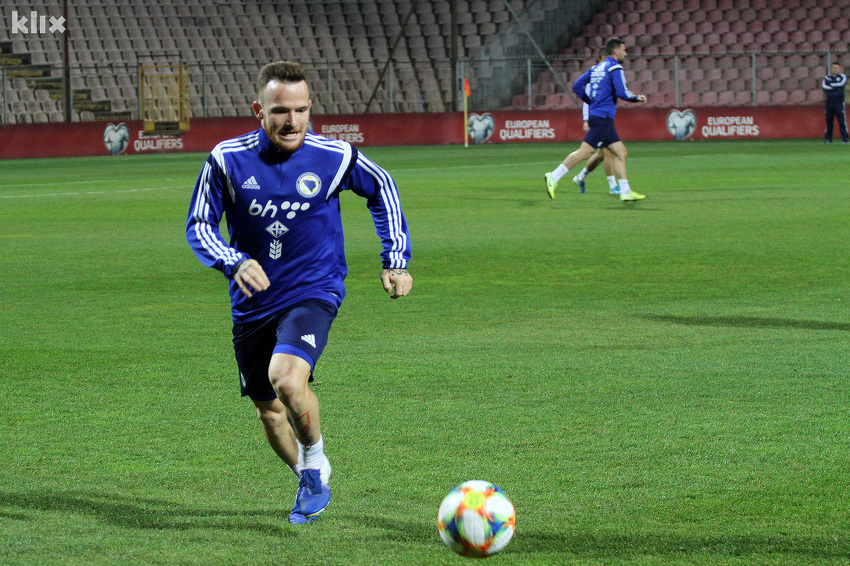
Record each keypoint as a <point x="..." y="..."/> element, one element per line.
<point x="711" y="52"/>
<point x="346" y="42"/>
<point x="681" y="51"/>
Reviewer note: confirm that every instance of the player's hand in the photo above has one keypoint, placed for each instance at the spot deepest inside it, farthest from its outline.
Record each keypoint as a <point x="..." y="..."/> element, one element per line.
<point x="396" y="281"/>
<point x="251" y="277"/>
<point x="642" y="98"/>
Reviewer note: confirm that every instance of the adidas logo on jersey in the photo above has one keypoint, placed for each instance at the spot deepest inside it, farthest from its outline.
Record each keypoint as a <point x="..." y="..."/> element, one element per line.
<point x="251" y="184"/>
<point x="310" y="339"/>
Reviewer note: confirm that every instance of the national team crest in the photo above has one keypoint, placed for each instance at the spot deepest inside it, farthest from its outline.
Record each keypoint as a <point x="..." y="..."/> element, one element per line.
<point x="308" y="185"/>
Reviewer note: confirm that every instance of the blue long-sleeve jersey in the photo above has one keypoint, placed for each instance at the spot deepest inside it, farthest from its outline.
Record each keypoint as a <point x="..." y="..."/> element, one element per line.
<point x="283" y="211"/>
<point x="833" y="87"/>
<point x="605" y="83"/>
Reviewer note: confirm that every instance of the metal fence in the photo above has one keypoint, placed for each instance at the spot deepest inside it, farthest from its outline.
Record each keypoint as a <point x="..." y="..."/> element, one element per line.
<point x="728" y="79"/>
<point x="111" y="92"/>
<point x="34" y="94"/>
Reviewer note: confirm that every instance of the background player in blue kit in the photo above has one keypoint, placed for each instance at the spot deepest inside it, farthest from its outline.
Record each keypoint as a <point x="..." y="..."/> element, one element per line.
<point x="607" y="83"/>
<point x="833" y="87"/>
<point x="602" y="155"/>
<point x="279" y="189"/>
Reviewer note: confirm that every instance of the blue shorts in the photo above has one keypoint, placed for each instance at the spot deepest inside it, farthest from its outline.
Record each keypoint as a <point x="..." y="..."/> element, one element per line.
<point x="601" y="132"/>
<point x="300" y="330"/>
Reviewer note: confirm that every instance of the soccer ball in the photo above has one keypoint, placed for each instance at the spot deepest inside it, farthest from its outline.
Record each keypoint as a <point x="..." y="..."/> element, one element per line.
<point x="476" y="519"/>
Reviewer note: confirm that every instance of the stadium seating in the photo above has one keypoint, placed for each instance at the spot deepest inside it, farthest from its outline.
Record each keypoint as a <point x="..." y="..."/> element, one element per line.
<point x="707" y="48"/>
<point x="698" y="33"/>
<point x="331" y="36"/>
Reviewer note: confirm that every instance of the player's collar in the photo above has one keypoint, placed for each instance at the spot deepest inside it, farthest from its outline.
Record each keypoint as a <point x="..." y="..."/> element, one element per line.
<point x="270" y="150"/>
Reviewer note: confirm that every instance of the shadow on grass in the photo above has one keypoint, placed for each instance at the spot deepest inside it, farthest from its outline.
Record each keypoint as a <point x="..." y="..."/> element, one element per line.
<point x="158" y="514"/>
<point x="140" y="513"/>
<point x="751" y="322"/>
<point x="626" y="546"/>
<point x="398" y="531"/>
<point x="602" y="546"/>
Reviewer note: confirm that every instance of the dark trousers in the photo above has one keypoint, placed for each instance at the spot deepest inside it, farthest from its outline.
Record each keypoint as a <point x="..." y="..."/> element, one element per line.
<point x="835" y="109"/>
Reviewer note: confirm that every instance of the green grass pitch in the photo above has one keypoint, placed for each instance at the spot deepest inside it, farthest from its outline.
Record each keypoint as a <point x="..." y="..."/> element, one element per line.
<point x="661" y="383"/>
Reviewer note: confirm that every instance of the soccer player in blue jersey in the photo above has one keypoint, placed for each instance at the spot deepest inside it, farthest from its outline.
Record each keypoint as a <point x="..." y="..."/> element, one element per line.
<point x="833" y="87"/>
<point x="602" y="155"/>
<point x="607" y="82"/>
<point x="279" y="189"/>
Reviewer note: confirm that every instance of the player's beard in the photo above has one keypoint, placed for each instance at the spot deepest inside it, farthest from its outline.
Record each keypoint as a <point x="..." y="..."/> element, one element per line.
<point x="287" y="139"/>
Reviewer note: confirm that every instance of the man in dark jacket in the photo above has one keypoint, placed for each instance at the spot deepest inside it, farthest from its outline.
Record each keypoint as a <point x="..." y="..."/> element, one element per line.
<point x="833" y="88"/>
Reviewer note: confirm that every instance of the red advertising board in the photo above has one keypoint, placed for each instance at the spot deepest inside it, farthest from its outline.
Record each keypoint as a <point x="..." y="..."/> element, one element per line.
<point x="653" y="124"/>
<point x="634" y="123"/>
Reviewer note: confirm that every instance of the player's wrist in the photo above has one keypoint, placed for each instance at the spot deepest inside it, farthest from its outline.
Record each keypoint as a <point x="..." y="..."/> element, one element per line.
<point x="235" y="269"/>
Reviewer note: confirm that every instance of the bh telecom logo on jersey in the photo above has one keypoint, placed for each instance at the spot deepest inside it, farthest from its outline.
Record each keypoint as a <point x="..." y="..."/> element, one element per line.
<point x="308" y="185"/>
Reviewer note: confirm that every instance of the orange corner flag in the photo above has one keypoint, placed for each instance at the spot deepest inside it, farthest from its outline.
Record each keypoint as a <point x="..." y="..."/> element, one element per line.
<point x="466" y="89"/>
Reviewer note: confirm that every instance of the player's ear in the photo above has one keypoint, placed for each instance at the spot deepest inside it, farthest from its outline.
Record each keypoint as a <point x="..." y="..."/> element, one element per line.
<point x="258" y="110"/>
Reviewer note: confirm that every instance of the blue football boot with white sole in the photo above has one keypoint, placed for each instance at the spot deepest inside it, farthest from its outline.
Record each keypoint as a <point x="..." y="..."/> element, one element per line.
<point x="314" y="494"/>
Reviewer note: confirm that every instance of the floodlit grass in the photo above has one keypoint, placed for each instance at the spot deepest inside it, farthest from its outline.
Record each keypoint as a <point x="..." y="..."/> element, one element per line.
<point x="657" y="383"/>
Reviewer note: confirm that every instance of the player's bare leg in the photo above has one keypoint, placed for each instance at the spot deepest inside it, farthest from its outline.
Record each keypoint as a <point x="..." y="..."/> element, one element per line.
<point x="619" y="153"/>
<point x="583" y="152"/>
<point x="278" y="431"/>
<point x="595" y="160"/>
<point x="618" y="149"/>
<point x="592" y="163"/>
<point x="608" y="164"/>
<point x="289" y="376"/>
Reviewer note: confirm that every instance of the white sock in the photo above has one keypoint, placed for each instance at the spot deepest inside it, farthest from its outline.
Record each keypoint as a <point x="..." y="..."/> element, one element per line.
<point x="612" y="181"/>
<point x="559" y="172"/>
<point x="583" y="175"/>
<point x="314" y="455"/>
<point x="624" y="187"/>
<point x="296" y="469"/>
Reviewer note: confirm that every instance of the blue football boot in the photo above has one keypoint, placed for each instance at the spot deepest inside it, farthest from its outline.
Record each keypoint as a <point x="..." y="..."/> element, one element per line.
<point x="582" y="186"/>
<point x="314" y="494"/>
